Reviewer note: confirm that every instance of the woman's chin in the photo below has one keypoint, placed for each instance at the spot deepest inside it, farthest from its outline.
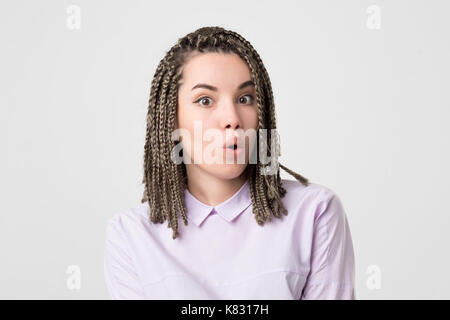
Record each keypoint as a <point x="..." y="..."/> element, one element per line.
<point x="226" y="171"/>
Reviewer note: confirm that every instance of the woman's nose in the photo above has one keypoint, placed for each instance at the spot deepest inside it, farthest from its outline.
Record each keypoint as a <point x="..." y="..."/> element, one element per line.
<point x="229" y="117"/>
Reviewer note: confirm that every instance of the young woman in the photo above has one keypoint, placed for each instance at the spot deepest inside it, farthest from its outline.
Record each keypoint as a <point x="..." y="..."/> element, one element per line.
<point x="204" y="229"/>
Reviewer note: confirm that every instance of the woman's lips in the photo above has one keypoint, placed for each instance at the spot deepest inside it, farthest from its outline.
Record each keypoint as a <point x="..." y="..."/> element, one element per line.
<point x="231" y="150"/>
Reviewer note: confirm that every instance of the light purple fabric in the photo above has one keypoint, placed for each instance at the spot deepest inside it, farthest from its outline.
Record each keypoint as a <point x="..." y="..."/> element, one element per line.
<point x="224" y="254"/>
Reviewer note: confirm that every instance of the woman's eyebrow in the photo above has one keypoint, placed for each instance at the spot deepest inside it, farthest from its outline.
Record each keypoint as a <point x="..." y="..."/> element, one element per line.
<point x="212" y="88"/>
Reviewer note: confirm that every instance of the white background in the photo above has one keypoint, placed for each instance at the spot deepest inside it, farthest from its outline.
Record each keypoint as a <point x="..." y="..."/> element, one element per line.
<point x="362" y="111"/>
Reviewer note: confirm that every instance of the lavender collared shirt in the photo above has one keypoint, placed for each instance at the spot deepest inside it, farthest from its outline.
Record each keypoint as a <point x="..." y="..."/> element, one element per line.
<point x="224" y="254"/>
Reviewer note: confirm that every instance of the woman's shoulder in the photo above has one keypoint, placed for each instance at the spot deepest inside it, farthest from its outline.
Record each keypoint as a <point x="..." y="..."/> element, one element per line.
<point x="129" y="220"/>
<point x="296" y="190"/>
<point x="318" y="199"/>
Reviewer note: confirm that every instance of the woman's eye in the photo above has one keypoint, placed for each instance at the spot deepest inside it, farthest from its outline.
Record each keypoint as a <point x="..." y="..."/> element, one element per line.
<point x="202" y="99"/>
<point x="249" y="100"/>
<point x="246" y="99"/>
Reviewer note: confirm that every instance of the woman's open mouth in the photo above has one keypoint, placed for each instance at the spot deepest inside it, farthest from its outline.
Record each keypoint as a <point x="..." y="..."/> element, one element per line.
<point x="233" y="149"/>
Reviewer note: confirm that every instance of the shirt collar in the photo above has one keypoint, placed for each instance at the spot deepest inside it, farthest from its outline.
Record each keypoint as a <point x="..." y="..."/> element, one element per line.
<point x="197" y="211"/>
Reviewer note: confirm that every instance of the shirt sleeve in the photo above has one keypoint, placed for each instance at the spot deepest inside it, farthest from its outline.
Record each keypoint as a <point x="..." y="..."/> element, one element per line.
<point x="332" y="269"/>
<point x="120" y="275"/>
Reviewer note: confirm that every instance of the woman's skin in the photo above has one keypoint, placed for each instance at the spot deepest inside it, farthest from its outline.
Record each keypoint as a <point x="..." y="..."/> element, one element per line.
<point x="227" y="108"/>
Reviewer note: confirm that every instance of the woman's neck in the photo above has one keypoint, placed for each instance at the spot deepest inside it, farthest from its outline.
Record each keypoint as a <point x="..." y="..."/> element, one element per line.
<point x="211" y="190"/>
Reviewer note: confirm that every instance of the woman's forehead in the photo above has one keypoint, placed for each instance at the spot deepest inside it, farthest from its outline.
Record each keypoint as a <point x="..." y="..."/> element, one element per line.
<point x="216" y="69"/>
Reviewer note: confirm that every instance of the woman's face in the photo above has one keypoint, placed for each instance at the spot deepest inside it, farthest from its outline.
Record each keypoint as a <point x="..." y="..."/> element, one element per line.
<point x="217" y="102"/>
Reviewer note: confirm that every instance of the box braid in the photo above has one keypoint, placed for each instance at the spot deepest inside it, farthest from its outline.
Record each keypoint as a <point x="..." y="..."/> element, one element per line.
<point x="165" y="181"/>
